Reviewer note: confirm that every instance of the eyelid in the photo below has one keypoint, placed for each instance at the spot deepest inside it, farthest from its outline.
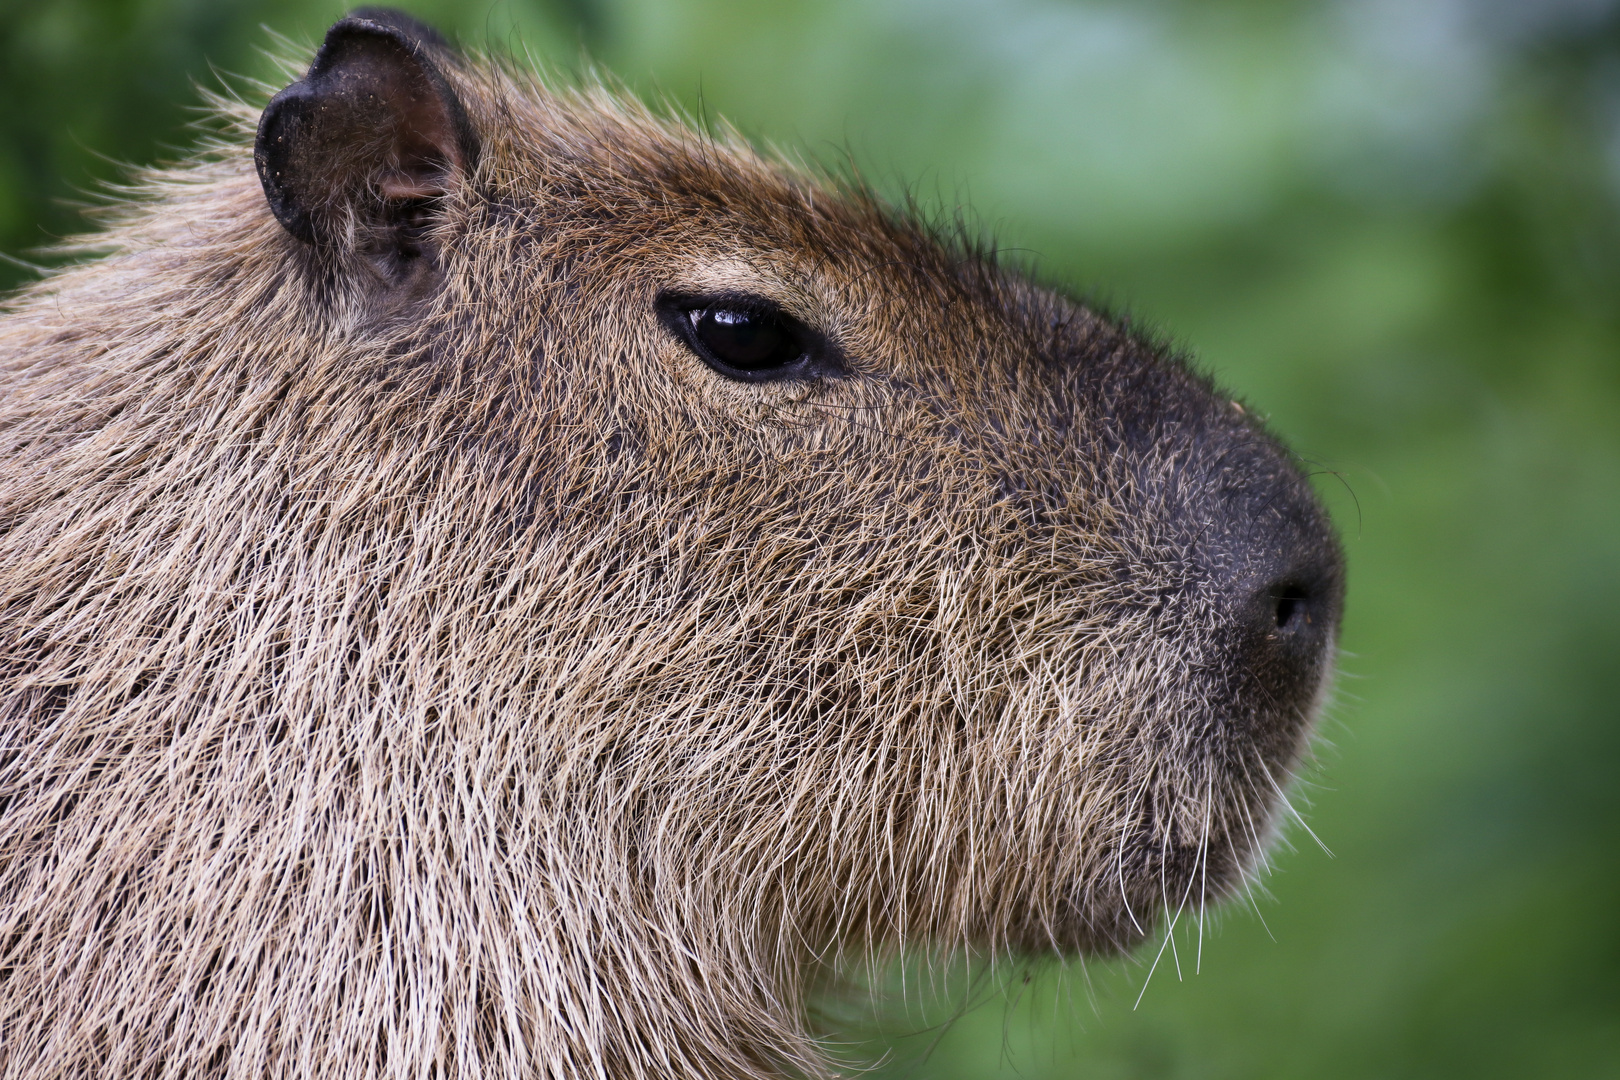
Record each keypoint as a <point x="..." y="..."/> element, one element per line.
<point x="743" y="305"/>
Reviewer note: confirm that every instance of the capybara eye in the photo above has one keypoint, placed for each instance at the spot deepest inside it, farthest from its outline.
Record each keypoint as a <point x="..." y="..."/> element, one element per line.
<point x="749" y="338"/>
<point x="752" y="341"/>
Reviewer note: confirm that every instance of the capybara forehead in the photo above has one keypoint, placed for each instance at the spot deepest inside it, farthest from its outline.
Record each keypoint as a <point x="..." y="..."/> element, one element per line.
<point x="615" y="181"/>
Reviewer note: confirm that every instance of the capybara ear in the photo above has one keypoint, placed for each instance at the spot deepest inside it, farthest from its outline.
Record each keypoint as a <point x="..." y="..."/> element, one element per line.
<point x="369" y="138"/>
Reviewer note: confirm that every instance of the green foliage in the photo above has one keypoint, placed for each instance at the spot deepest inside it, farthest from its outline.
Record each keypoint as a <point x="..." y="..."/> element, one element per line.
<point x="1395" y="227"/>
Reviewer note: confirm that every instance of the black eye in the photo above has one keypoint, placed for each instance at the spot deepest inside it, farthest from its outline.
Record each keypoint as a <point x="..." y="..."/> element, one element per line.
<point x="748" y="338"/>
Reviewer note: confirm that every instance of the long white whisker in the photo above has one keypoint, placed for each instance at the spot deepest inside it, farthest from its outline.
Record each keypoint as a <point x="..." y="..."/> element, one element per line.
<point x="1170" y="919"/>
<point x="1167" y="932"/>
<point x="1203" y="866"/>
<point x="1119" y="860"/>
<point x="1289" y="806"/>
<point x="1260" y="854"/>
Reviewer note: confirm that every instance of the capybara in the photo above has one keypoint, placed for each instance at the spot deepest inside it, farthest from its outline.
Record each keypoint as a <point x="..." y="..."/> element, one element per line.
<point x="497" y="582"/>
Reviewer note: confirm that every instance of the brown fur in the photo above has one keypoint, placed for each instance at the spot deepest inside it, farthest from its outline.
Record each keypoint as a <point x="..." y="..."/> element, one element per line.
<point x="453" y="676"/>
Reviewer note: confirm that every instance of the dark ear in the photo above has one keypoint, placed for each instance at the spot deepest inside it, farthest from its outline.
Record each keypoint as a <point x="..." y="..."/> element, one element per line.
<point x="372" y="133"/>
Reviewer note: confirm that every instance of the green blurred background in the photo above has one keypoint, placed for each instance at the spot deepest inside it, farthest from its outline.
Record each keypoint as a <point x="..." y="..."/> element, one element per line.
<point x="1394" y="226"/>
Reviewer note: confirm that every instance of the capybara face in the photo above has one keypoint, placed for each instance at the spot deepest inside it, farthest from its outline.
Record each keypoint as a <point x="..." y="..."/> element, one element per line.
<point x="1012" y="626"/>
<point x="503" y="581"/>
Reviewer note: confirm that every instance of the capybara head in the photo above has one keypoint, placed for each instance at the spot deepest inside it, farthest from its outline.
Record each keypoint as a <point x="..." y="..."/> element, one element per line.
<point x="495" y="582"/>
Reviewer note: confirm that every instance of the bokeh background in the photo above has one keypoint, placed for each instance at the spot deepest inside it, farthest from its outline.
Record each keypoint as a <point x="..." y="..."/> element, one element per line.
<point x="1394" y="227"/>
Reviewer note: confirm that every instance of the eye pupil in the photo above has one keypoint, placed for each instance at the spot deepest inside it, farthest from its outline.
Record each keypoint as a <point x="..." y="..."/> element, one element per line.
<point x="746" y="340"/>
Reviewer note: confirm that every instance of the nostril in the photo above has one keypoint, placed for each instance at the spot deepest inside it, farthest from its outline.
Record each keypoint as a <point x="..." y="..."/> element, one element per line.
<point x="1293" y="606"/>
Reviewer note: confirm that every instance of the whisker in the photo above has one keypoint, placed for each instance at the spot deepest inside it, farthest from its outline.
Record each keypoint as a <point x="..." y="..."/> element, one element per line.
<point x="1119" y="861"/>
<point x="1289" y="806"/>
<point x="1203" y="863"/>
<point x="1167" y="932"/>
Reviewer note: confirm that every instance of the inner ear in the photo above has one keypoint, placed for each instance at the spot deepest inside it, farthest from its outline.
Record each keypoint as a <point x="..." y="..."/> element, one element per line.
<point x="367" y="138"/>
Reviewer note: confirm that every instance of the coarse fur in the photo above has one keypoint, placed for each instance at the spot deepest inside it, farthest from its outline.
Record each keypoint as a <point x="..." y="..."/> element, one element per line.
<point x="425" y="664"/>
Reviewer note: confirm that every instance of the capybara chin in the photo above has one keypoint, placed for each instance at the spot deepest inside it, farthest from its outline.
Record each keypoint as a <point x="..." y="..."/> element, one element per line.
<point x="497" y="583"/>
